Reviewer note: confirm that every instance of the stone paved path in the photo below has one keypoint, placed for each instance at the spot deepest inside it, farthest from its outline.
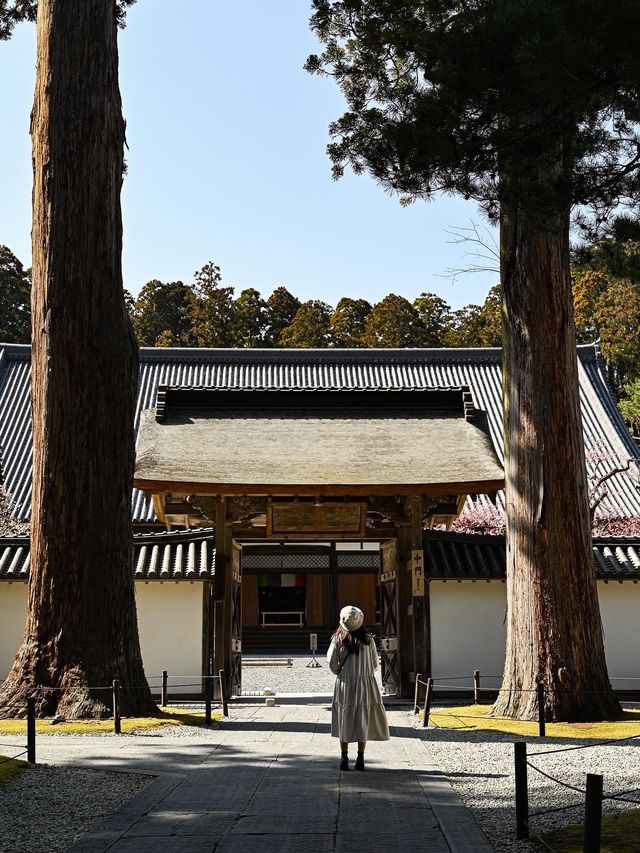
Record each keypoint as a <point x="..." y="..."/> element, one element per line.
<point x="268" y="781"/>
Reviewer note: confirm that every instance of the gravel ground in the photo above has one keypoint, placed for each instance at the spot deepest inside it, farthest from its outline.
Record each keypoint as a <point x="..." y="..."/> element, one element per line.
<point x="480" y="767"/>
<point x="291" y="679"/>
<point x="45" y="809"/>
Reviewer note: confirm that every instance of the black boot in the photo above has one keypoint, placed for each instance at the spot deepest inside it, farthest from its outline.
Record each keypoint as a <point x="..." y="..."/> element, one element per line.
<point x="359" y="765"/>
<point x="344" y="761"/>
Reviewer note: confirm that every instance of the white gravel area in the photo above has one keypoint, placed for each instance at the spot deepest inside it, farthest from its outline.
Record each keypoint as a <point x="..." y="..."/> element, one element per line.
<point x="45" y="809"/>
<point x="480" y="767"/>
<point x="298" y="678"/>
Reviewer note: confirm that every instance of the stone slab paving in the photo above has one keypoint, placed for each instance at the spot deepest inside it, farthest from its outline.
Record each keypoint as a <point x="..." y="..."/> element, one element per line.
<point x="268" y="780"/>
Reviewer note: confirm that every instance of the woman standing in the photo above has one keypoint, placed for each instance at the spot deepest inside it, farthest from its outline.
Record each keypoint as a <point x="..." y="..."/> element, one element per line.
<point x="357" y="713"/>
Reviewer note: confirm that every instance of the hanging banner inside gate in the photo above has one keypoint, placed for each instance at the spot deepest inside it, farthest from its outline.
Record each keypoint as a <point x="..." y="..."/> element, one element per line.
<point x="417" y="572"/>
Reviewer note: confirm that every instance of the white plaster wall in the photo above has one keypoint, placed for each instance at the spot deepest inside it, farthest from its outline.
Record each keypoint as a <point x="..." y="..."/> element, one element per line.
<point x="169" y="620"/>
<point x="620" y="611"/>
<point x="467" y="630"/>
<point x="170" y="625"/>
<point x="13" y="613"/>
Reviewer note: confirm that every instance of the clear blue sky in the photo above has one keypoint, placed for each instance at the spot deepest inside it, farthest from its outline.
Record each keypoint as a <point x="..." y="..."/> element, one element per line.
<point x="227" y="162"/>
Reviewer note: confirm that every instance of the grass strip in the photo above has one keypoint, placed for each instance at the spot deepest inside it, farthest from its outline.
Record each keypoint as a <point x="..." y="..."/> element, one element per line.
<point x="10" y="768"/>
<point x="478" y="718"/>
<point x="620" y="834"/>
<point x="168" y="716"/>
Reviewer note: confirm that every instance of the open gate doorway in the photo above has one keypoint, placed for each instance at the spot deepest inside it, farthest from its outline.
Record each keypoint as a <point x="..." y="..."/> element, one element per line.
<point x="283" y="594"/>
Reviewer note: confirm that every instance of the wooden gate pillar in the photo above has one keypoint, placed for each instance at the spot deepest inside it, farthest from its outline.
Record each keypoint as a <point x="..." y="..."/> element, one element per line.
<point x="224" y="593"/>
<point x="415" y="653"/>
<point x="420" y="593"/>
<point x="405" y="608"/>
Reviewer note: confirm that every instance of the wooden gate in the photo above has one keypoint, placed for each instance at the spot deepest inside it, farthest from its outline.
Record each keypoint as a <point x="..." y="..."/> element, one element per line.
<point x="389" y="623"/>
<point x="236" y="620"/>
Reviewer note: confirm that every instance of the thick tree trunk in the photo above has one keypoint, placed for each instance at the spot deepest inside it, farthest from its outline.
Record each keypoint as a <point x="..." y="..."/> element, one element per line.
<point x="81" y="629"/>
<point x="554" y="632"/>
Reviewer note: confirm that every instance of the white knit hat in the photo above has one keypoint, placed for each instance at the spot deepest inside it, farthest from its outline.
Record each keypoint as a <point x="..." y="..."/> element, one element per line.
<point x="351" y="617"/>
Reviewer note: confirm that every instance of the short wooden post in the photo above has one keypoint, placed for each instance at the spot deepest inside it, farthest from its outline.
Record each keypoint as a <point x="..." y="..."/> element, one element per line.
<point x="223" y="693"/>
<point x="542" y="728"/>
<point x="427" y="703"/>
<point x="522" y="791"/>
<point x="592" y="814"/>
<point x="164" y="701"/>
<point x="416" y="693"/>
<point x="31" y="729"/>
<point x="476" y="686"/>
<point x="116" y="707"/>
<point x="207" y="700"/>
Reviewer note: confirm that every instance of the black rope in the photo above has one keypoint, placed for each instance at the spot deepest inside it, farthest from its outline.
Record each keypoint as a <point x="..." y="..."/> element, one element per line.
<point x="557" y="781"/>
<point x="586" y="745"/>
<point x="558" y="809"/>
<point x="621" y="793"/>
<point x="13" y="757"/>
<point x="621" y="799"/>
<point x="544" y="843"/>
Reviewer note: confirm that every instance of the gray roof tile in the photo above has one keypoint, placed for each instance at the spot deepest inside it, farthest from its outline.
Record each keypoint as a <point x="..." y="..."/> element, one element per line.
<point x="188" y="555"/>
<point x="465" y="556"/>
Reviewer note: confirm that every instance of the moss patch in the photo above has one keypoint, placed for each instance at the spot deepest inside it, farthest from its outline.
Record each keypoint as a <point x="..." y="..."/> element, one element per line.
<point x="167" y="717"/>
<point x="477" y="718"/>
<point x="10" y="768"/>
<point x="620" y="834"/>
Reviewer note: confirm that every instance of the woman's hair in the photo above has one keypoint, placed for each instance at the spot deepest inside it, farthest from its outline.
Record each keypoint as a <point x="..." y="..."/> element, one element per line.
<point x="352" y="640"/>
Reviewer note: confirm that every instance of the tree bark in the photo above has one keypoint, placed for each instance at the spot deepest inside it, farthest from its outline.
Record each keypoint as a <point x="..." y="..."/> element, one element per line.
<point x="81" y="630"/>
<point x="554" y="631"/>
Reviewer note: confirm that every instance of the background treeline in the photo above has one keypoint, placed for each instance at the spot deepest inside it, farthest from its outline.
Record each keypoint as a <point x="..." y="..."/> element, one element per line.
<point x="206" y="312"/>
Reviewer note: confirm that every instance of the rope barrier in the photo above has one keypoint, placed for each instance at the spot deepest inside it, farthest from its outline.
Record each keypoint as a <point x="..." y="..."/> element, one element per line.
<point x="43" y="688"/>
<point x="622" y="793"/>
<point x="621" y="800"/>
<point x="558" y="809"/>
<point x="585" y="745"/>
<point x="544" y="843"/>
<point x="13" y="757"/>
<point x="557" y="781"/>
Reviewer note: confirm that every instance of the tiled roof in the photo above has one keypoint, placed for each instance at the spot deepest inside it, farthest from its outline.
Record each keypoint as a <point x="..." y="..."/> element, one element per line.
<point x="190" y="555"/>
<point x="14" y="557"/>
<point x="182" y="555"/>
<point x="464" y="556"/>
<point x="409" y="369"/>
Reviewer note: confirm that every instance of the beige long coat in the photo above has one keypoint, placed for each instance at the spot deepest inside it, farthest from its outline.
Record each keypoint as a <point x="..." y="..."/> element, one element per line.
<point x="357" y="713"/>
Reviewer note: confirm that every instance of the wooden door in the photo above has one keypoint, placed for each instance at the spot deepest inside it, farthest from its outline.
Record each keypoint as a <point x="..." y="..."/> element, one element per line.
<point x="236" y="620"/>
<point x="389" y="622"/>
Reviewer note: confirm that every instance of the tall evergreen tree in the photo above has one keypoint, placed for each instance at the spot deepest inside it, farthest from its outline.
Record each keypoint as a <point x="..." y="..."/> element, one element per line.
<point x="81" y="629"/>
<point x="528" y="106"/>
<point x="211" y="310"/>
<point x="249" y="319"/>
<point x="162" y="314"/>
<point x="435" y="316"/>
<point x="15" y="311"/>
<point x="310" y="327"/>
<point x="282" y="307"/>
<point x="348" y="322"/>
<point x="393" y="323"/>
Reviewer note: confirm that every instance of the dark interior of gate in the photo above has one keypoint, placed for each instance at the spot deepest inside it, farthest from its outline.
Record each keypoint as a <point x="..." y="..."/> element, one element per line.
<point x="318" y="498"/>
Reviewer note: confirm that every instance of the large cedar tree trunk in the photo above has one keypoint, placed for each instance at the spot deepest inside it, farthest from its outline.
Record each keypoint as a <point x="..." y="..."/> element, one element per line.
<point x="554" y="632"/>
<point x="81" y="629"/>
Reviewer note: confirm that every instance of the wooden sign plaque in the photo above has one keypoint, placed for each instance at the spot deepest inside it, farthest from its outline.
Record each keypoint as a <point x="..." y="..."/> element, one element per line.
<point x="321" y="520"/>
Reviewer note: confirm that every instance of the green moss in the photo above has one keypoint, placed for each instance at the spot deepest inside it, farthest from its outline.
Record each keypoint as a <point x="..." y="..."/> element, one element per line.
<point x="478" y="718"/>
<point x="10" y="768"/>
<point x="168" y="717"/>
<point x="620" y="834"/>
